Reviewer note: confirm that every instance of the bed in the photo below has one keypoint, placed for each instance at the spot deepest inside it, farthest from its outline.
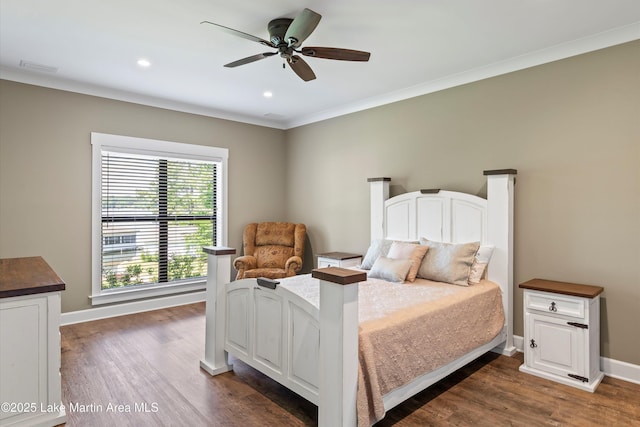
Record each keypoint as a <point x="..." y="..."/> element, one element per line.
<point x="323" y="335"/>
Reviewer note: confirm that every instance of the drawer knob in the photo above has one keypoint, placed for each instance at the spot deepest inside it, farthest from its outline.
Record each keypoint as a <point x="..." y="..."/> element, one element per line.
<point x="533" y="344"/>
<point x="553" y="307"/>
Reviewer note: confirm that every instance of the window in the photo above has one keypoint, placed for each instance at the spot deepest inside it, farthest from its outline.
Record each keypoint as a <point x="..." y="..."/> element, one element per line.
<point x="155" y="205"/>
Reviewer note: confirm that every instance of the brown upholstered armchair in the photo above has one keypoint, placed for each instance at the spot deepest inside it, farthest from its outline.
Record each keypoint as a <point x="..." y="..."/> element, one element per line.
<point x="271" y="249"/>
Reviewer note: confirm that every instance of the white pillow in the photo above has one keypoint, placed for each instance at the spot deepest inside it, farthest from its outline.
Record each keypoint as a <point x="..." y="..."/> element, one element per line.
<point x="378" y="247"/>
<point x="448" y="262"/>
<point x="411" y="251"/>
<point x="480" y="264"/>
<point x="389" y="269"/>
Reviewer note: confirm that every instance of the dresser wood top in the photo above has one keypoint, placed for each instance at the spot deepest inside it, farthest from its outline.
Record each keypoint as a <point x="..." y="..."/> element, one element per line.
<point x="27" y="276"/>
<point x="575" y="289"/>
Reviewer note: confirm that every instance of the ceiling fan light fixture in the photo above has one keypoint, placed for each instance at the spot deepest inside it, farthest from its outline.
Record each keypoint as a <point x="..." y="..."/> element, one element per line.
<point x="286" y="35"/>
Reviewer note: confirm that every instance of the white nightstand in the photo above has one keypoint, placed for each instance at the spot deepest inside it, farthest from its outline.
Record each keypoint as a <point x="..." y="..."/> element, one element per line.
<point x="339" y="259"/>
<point x="562" y="332"/>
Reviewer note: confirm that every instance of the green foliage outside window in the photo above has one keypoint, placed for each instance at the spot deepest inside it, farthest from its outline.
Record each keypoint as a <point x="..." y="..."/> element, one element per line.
<point x="189" y="193"/>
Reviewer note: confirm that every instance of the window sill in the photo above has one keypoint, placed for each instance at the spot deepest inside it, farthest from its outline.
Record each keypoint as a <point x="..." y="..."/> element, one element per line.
<point x="120" y="295"/>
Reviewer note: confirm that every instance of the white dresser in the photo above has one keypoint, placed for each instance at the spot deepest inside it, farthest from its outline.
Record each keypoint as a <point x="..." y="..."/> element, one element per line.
<point x="562" y="332"/>
<point x="30" y="386"/>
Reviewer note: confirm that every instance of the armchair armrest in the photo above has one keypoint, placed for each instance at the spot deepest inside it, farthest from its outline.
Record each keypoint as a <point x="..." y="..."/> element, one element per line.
<point x="293" y="265"/>
<point x="243" y="263"/>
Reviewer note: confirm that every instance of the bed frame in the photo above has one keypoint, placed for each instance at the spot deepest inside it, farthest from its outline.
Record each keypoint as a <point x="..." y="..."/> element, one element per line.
<point x="314" y="352"/>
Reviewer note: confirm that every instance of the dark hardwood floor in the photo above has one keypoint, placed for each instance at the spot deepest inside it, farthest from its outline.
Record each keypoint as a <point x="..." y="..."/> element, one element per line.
<point x="143" y="370"/>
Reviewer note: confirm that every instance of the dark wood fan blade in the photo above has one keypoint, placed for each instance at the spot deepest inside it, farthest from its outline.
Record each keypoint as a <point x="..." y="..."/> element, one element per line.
<point x="250" y="59"/>
<point x="336" y="53"/>
<point x="301" y="68"/>
<point x="301" y="27"/>
<point x="240" y="34"/>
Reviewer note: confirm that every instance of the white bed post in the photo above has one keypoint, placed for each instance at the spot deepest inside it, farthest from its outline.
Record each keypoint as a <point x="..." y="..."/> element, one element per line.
<point x="379" y="188"/>
<point x="338" y="359"/>
<point x="218" y="275"/>
<point x="500" y="194"/>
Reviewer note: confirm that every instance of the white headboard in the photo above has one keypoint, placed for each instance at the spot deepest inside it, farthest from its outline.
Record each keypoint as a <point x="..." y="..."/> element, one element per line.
<point x="448" y="216"/>
<point x="443" y="216"/>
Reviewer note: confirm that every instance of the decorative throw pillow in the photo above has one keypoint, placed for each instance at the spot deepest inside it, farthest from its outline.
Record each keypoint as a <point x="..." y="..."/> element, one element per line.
<point x="480" y="263"/>
<point x="389" y="269"/>
<point x="378" y="247"/>
<point x="448" y="262"/>
<point x="411" y="251"/>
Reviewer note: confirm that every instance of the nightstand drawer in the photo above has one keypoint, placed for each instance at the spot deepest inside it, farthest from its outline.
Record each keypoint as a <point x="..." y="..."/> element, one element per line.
<point x="345" y="263"/>
<point x="339" y="259"/>
<point x="555" y="304"/>
<point x="328" y="262"/>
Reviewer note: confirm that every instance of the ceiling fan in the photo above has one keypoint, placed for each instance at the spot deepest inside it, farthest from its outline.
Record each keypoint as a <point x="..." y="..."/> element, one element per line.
<point x="287" y="35"/>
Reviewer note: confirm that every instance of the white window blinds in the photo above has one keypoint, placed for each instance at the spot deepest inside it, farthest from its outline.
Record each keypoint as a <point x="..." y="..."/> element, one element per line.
<point x="157" y="214"/>
<point x="156" y="204"/>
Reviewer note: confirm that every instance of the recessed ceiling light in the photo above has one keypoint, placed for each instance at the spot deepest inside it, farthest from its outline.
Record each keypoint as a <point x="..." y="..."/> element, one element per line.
<point x="144" y="62"/>
<point x="267" y="94"/>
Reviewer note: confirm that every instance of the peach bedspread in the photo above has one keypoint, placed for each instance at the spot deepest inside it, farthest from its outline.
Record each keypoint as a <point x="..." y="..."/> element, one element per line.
<point x="407" y="330"/>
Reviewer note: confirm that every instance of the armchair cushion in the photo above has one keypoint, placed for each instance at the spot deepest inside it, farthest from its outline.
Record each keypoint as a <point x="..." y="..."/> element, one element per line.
<point x="275" y="233"/>
<point x="273" y="256"/>
<point x="269" y="273"/>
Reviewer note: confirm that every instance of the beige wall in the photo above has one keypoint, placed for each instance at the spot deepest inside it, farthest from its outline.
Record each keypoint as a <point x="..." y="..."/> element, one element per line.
<point x="45" y="172"/>
<point x="571" y="129"/>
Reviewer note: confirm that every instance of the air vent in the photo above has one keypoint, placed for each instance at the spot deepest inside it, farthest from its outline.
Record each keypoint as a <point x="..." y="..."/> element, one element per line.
<point x="38" y="67"/>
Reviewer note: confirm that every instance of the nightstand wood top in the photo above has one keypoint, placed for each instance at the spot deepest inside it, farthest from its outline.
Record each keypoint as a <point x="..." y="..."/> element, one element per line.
<point x="339" y="255"/>
<point x="575" y="289"/>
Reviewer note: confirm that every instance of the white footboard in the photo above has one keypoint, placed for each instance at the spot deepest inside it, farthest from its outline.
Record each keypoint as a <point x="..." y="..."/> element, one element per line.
<point x="276" y="332"/>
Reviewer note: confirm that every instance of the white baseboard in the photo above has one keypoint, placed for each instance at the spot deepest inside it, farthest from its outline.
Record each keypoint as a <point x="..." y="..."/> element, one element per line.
<point x="610" y="367"/>
<point x="130" y="308"/>
<point x="518" y="342"/>
<point x="620" y="370"/>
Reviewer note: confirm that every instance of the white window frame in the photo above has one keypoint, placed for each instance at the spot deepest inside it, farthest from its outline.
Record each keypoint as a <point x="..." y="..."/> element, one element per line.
<point x="143" y="146"/>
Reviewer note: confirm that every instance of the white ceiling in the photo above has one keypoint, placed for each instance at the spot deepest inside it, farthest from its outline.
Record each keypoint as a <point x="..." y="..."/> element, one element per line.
<point x="416" y="47"/>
